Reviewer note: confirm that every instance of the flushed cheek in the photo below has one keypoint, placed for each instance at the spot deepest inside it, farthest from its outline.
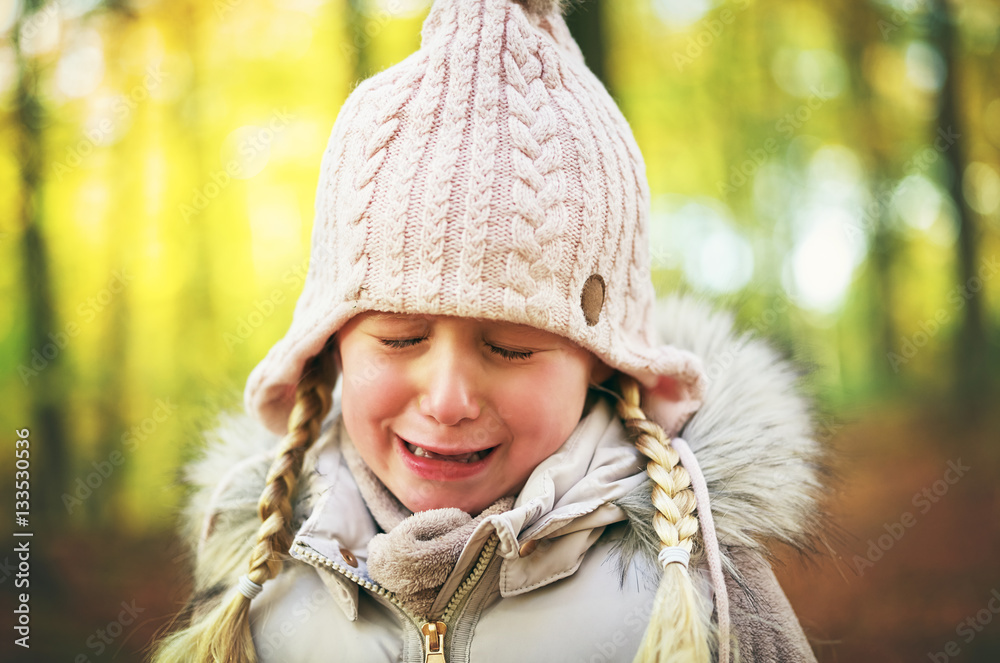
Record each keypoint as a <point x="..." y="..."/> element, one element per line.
<point x="375" y="386"/>
<point x="369" y="408"/>
<point x="541" y="428"/>
<point x="532" y="445"/>
<point x="548" y="402"/>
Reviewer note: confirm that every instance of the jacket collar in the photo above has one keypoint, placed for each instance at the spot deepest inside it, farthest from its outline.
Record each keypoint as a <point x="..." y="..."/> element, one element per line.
<point x="563" y="508"/>
<point x="753" y="438"/>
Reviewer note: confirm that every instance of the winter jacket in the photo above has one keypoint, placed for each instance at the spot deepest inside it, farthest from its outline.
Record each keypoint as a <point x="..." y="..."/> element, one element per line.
<point x="569" y="574"/>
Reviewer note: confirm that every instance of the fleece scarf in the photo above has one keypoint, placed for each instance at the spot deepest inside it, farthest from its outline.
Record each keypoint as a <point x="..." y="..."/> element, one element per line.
<point x="416" y="552"/>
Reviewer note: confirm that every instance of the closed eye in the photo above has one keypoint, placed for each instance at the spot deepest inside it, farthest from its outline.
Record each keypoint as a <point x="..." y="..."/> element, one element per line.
<point x="511" y="355"/>
<point x="400" y="343"/>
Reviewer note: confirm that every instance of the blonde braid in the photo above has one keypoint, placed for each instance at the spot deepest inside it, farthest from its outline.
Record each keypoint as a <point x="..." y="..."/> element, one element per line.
<point x="677" y="631"/>
<point x="223" y="634"/>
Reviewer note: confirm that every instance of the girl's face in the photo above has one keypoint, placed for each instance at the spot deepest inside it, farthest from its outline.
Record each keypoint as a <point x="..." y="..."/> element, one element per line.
<point x="457" y="412"/>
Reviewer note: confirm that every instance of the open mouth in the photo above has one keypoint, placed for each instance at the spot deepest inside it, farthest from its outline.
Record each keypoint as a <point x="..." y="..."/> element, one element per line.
<point x="470" y="457"/>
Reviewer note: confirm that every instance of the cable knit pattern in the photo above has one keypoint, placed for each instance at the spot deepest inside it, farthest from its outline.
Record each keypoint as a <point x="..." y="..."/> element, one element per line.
<point x="482" y="164"/>
<point x="389" y="268"/>
<point x="441" y="169"/>
<point x="488" y="175"/>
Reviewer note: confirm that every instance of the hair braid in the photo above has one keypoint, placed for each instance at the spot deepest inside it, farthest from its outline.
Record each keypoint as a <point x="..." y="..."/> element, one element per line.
<point x="223" y="634"/>
<point x="677" y="630"/>
<point x="274" y="537"/>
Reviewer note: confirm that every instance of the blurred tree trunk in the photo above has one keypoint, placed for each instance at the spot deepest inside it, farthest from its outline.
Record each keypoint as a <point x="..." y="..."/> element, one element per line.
<point x="48" y="387"/>
<point x="358" y="39"/>
<point x="971" y="348"/>
<point x="197" y="340"/>
<point x="111" y="395"/>
<point x="584" y="21"/>
<point x="860" y="28"/>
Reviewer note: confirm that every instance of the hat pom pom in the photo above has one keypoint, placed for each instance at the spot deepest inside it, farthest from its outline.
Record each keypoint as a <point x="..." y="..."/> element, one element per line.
<point x="541" y="7"/>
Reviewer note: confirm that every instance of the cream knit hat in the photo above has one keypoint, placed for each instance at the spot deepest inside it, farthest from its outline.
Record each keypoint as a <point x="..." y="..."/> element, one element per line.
<point x="488" y="175"/>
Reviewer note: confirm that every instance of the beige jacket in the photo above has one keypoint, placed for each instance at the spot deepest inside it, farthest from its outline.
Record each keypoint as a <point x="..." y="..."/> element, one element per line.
<point x="565" y="575"/>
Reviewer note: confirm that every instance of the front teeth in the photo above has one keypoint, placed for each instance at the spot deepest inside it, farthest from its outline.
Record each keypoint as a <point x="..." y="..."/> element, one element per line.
<point x="423" y="453"/>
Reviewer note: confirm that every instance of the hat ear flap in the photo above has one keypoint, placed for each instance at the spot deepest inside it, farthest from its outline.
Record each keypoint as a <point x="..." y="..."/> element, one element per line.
<point x="671" y="402"/>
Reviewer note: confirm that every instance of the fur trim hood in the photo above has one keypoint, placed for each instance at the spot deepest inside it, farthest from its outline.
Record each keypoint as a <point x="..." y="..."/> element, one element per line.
<point x="753" y="438"/>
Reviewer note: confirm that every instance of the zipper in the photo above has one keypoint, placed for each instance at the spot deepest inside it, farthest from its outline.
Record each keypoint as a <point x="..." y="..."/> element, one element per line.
<point x="471" y="580"/>
<point x="434" y="641"/>
<point x="432" y="630"/>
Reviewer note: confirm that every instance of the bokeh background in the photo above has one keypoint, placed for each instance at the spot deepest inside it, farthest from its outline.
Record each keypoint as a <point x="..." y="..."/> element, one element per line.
<point x="829" y="171"/>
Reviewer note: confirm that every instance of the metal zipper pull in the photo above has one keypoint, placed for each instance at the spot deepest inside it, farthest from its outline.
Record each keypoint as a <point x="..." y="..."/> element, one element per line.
<point x="434" y="641"/>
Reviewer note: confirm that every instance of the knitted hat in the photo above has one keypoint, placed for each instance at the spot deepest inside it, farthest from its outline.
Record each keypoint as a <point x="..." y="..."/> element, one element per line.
<point x="488" y="175"/>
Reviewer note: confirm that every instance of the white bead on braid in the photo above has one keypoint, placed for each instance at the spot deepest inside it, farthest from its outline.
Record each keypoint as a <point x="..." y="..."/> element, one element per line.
<point x="248" y="587"/>
<point x="674" y="555"/>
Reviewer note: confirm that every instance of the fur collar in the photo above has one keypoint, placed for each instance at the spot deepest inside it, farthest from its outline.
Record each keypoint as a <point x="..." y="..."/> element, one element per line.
<point x="753" y="438"/>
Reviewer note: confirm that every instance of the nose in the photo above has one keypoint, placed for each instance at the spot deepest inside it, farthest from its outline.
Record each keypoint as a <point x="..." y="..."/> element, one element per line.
<point x="450" y="393"/>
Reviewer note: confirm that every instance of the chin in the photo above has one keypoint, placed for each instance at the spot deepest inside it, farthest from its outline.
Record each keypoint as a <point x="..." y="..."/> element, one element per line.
<point x="472" y="507"/>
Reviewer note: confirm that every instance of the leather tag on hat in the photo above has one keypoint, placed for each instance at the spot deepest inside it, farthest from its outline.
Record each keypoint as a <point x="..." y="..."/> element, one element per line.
<point x="592" y="299"/>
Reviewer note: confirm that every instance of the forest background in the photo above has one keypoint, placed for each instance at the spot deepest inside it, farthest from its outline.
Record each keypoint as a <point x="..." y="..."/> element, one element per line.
<point x="827" y="170"/>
